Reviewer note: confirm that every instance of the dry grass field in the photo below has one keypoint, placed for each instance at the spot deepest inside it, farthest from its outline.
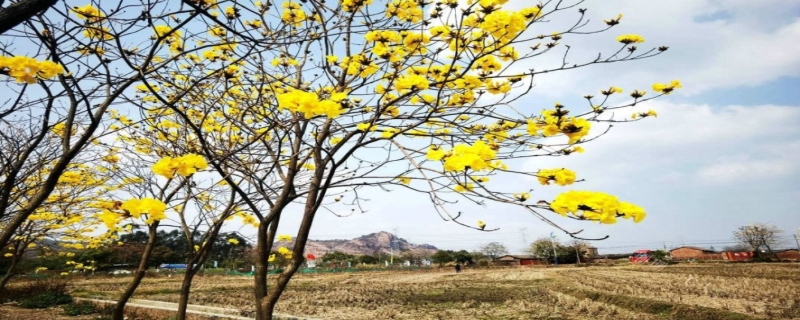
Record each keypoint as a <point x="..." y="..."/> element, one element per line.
<point x="690" y="291"/>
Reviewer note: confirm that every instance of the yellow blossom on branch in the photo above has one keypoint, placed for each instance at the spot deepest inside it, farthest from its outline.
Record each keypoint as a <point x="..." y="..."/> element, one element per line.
<point x="630" y="38"/>
<point x="561" y="176"/>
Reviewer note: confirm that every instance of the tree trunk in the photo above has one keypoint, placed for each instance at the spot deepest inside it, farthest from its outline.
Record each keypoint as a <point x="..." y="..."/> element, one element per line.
<point x="263" y="248"/>
<point x="9" y="274"/>
<point x="119" y="309"/>
<point x="267" y="305"/>
<point x="186" y="287"/>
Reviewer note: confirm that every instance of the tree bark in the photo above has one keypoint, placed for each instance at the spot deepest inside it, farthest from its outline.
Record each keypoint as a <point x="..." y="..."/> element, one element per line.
<point x="119" y="309"/>
<point x="186" y="287"/>
<point x="9" y="274"/>
<point x="18" y="12"/>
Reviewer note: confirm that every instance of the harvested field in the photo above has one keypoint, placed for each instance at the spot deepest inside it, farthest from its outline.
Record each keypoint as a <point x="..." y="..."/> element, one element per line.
<point x="701" y="291"/>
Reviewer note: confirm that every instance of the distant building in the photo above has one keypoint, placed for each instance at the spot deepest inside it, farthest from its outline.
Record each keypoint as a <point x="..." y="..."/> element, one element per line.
<point x="788" y="254"/>
<point x="739" y="256"/>
<point x="694" y="253"/>
<point x="518" y="260"/>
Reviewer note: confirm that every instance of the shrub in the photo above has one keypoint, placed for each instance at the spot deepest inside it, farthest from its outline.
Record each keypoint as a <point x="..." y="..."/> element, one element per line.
<point x="45" y="300"/>
<point x="26" y="290"/>
<point x="80" y="308"/>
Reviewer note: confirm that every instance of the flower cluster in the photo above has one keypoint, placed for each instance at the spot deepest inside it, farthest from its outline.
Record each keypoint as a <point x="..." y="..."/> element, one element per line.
<point x="293" y="14"/>
<point x="153" y="208"/>
<point x="184" y="166"/>
<point x="630" y="38"/>
<point x="310" y="104"/>
<point x="596" y="206"/>
<point x="667" y="88"/>
<point x="477" y="156"/>
<point x="29" y="70"/>
<point x="561" y="176"/>
<point x="553" y="122"/>
<point x="171" y="37"/>
<point x="94" y="30"/>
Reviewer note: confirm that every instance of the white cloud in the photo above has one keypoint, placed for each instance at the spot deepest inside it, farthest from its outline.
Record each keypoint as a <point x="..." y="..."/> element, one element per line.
<point x="745" y="171"/>
<point x="713" y="45"/>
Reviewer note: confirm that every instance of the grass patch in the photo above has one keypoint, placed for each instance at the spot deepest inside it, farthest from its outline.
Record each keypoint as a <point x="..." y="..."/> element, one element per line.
<point x="79" y="308"/>
<point x="45" y="300"/>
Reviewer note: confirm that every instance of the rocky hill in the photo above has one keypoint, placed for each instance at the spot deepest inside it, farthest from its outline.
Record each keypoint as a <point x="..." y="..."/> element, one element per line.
<point x="371" y="244"/>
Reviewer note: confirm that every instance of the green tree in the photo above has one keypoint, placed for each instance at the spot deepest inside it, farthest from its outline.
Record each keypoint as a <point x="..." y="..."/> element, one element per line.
<point x="367" y="259"/>
<point x="443" y="256"/>
<point x="338" y="257"/>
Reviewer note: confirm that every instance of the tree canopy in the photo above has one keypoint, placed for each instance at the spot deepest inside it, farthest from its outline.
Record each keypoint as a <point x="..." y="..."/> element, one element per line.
<point x="194" y="114"/>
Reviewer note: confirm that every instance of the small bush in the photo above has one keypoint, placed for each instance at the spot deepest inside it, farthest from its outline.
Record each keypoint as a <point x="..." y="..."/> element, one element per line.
<point x="45" y="300"/>
<point x="80" y="308"/>
<point x="21" y="291"/>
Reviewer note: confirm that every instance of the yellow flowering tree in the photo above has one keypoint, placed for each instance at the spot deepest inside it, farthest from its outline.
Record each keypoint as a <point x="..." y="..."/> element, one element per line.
<point x="59" y="77"/>
<point x="302" y="104"/>
<point x="305" y="105"/>
<point x="61" y="219"/>
<point x="158" y="162"/>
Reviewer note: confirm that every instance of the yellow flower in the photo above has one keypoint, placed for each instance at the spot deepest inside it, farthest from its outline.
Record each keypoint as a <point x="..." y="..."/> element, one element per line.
<point x="233" y="241"/>
<point x="630" y="38"/>
<point x="404" y="180"/>
<point x="523" y="196"/>
<point x="595" y="206"/>
<point x="364" y="126"/>
<point x="667" y="88"/>
<point x="611" y="91"/>
<point x="89" y="13"/>
<point x="435" y="153"/>
<point x="29" y="70"/>
<point x="465" y="157"/>
<point x="388" y="133"/>
<point x="164" y="167"/>
<point x="481" y="224"/>
<point x="154" y="208"/>
<point x="464" y="187"/>
<point x="561" y="176"/>
<point x="284" y="237"/>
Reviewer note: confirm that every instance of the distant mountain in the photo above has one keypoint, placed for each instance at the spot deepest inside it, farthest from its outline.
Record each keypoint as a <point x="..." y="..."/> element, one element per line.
<point x="372" y="244"/>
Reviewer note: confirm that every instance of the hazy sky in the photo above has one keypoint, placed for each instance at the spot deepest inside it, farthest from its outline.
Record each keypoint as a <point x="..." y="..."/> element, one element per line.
<point x="722" y="153"/>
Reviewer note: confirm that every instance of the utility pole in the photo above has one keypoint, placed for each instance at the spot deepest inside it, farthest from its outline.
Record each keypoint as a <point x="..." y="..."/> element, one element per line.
<point x="796" y="241"/>
<point x="522" y="232"/>
<point x="524" y="237"/>
<point x="553" y="242"/>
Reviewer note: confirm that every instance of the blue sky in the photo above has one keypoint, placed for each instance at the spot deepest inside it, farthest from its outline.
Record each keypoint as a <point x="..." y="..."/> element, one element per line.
<point x="723" y="152"/>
